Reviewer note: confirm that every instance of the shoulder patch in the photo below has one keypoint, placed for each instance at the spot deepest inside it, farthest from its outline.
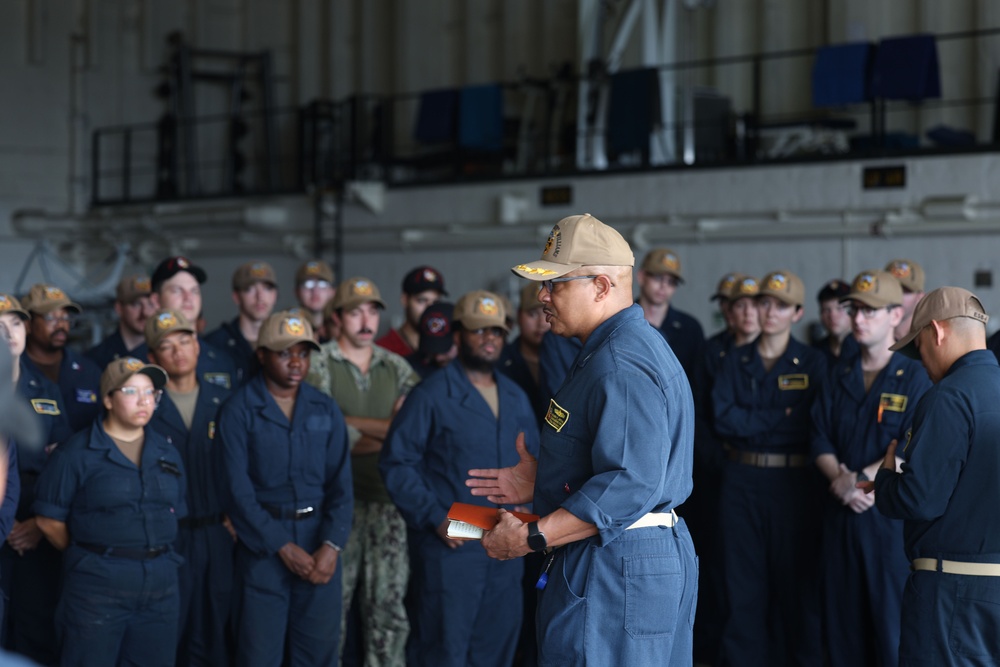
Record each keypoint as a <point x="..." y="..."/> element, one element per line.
<point x="793" y="381"/>
<point x="46" y="406"/>
<point x="557" y="416"/>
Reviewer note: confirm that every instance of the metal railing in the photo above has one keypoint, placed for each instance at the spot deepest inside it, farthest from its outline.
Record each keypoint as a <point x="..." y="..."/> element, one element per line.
<point x="722" y="119"/>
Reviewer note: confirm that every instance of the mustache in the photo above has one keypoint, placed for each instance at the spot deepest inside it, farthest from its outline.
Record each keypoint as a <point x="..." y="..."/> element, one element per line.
<point x="365" y="330"/>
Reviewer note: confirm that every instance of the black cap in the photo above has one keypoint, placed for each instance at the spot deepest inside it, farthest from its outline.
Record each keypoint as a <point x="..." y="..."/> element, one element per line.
<point x="171" y="266"/>
<point x="835" y="289"/>
<point x="435" y="329"/>
<point x="423" y="278"/>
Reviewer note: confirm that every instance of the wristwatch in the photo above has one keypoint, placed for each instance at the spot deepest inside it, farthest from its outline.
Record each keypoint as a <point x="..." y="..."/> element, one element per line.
<point x="536" y="538"/>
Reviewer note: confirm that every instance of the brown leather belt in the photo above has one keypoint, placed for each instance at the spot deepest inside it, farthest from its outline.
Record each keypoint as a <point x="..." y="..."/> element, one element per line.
<point x="767" y="459"/>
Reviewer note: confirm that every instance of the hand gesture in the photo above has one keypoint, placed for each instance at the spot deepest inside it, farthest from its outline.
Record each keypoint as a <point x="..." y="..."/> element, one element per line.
<point x="297" y="560"/>
<point x="507" y="486"/>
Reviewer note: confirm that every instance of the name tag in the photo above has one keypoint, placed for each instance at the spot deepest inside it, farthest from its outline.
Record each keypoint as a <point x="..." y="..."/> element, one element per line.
<point x="892" y="402"/>
<point x="45" y="406"/>
<point x="557" y="416"/>
<point x="86" y="396"/>
<point x="218" y="379"/>
<point x="795" y="381"/>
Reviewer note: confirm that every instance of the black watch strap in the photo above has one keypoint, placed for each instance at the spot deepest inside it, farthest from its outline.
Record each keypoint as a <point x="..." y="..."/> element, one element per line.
<point x="536" y="538"/>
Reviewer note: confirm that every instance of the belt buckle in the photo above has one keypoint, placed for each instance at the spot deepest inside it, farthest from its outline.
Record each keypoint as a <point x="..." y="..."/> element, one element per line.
<point x="304" y="511"/>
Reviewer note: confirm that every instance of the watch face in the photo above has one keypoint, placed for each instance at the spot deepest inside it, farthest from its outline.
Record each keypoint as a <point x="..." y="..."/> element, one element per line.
<point x="536" y="539"/>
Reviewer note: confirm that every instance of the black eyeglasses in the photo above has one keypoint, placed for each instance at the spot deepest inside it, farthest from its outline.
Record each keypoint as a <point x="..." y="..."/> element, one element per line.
<point x="548" y="284"/>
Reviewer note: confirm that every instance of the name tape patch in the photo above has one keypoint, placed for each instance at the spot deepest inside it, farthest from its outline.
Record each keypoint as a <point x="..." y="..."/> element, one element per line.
<point x="557" y="416"/>
<point x="793" y="381"/>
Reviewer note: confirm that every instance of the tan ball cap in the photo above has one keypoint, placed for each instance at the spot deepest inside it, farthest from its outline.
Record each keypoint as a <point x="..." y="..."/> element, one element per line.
<point x="660" y="261"/>
<point x="283" y="330"/>
<point x="314" y="269"/>
<point x="784" y="286"/>
<point x="943" y="303"/>
<point x="909" y="273"/>
<point x="9" y="304"/>
<point x="480" y="310"/>
<point x="253" y="272"/>
<point x="119" y="371"/>
<point x="574" y="242"/>
<point x="726" y="284"/>
<point x="162" y="324"/>
<point x="875" y="289"/>
<point x="43" y="299"/>
<point x="355" y="291"/>
<point x="132" y="288"/>
<point x="746" y="286"/>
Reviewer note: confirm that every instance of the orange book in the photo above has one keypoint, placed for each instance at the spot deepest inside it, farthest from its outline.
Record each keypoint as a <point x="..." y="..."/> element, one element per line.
<point x="469" y="522"/>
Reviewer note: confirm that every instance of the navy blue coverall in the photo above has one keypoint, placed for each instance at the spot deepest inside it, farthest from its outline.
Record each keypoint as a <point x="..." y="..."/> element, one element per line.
<point x="769" y="506"/>
<point x="80" y="386"/>
<point x="468" y="605"/>
<point x="206" y="578"/>
<point x="863" y="565"/>
<point x="617" y="444"/>
<point x="31" y="582"/>
<point x="284" y="482"/>
<point x="229" y="339"/>
<point x="947" y="495"/>
<point x="120" y="603"/>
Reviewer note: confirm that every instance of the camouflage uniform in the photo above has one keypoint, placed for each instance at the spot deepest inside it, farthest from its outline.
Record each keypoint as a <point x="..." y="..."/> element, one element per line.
<point x="376" y="549"/>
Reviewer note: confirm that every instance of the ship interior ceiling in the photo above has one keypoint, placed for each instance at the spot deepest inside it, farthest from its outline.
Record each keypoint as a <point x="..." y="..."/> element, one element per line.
<point x="825" y="138"/>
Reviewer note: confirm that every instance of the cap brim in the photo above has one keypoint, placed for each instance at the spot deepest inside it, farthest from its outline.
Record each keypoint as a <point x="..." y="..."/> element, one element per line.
<point x="543" y="270"/>
<point x="157" y="375"/>
<point x="869" y="300"/>
<point x="906" y="346"/>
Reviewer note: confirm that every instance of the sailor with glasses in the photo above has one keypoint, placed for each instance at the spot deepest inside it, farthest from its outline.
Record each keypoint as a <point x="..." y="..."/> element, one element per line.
<point x="868" y="401"/>
<point x="111" y="497"/>
<point x="314" y="287"/>
<point x="620" y="574"/>
<point x="187" y="417"/>
<point x="48" y="352"/>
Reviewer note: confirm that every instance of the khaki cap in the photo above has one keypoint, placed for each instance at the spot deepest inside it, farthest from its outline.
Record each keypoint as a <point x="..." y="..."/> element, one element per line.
<point x="747" y="286"/>
<point x="132" y="288"/>
<point x="283" y="330"/>
<point x="120" y="370"/>
<point x="314" y="269"/>
<point x="163" y="323"/>
<point x="943" y="303"/>
<point x="784" y="286"/>
<point x="355" y="291"/>
<point x="253" y="272"/>
<point x="574" y="242"/>
<point x="480" y="310"/>
<point x="661" y="261"/>
<point x="44" y="299"/>
<point x="529" y="298"/>
<point x="726" y="284"/>
<point x="875" y="289"/>
<point x="909" y="273"/>
<point x="8" y="304"/>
